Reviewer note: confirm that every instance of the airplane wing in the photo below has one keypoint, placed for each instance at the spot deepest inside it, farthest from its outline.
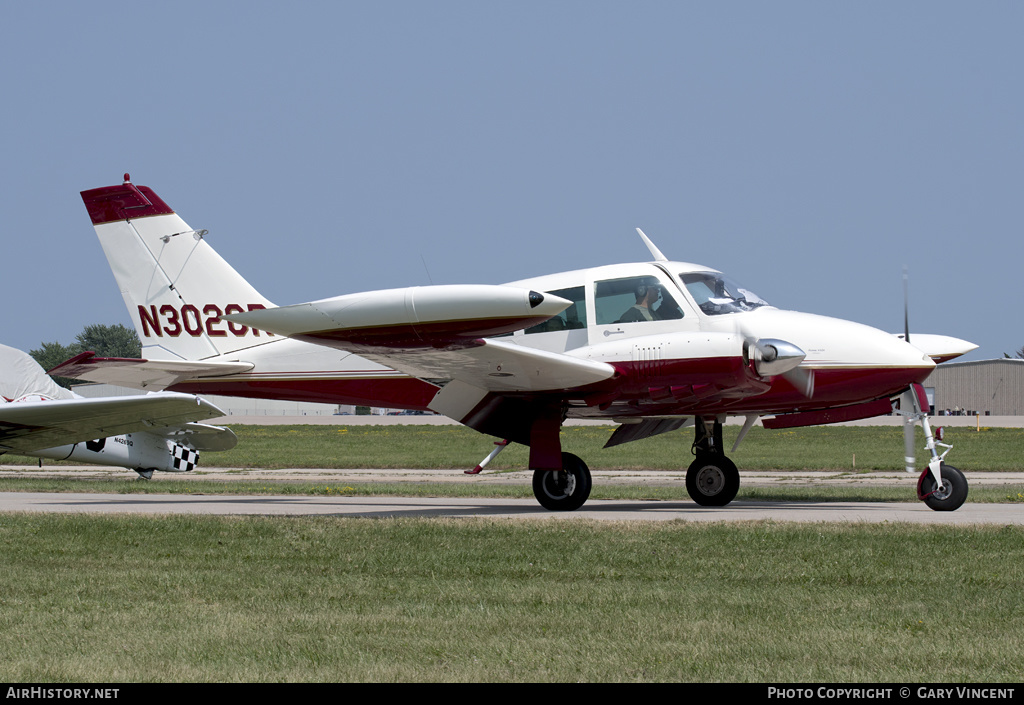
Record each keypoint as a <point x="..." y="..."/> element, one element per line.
<point x="444" y="334"/>
<point x="151" y="375"/>
<point x="32" y="425"/>
<point x="439" y="333"/>
<point x="497" y="366"/>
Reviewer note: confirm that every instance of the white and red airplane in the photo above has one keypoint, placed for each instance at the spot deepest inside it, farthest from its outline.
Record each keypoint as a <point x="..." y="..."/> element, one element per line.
<point x="651" y="346"/>
<point x="144" y="433"/>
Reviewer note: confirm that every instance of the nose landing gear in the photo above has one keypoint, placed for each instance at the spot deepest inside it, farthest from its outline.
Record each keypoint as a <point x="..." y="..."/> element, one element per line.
<point x="942" y="487"/>
<point x="945" y="496"/>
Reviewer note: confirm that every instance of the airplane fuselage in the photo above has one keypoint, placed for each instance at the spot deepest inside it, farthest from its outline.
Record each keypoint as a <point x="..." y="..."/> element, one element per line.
<point x="691" y="358"/>
<point x="652" y="346"/>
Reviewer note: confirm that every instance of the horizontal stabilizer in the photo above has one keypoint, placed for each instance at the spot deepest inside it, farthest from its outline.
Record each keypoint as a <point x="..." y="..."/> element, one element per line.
<point x="28" y="426"/>
<point x="201" y="436"/>
<point x="151" y="375"/>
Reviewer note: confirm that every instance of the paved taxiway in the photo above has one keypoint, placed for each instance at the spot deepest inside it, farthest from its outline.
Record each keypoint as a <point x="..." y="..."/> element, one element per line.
<point x="620" y="510"/>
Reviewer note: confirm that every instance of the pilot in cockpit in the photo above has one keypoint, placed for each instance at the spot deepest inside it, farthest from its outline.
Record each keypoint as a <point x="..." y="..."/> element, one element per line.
<point x="642" y="310"/>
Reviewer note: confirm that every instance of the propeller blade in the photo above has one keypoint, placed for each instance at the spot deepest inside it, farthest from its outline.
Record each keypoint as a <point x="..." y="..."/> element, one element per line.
<point x="909" y="433"/>
<point x="772" y="357"/>
<point x="802" y="379"/>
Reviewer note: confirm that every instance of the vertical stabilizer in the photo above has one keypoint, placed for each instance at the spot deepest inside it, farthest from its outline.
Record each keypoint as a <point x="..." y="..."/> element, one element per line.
<point x="175" y="285"/>
<point x="21" y="377"/>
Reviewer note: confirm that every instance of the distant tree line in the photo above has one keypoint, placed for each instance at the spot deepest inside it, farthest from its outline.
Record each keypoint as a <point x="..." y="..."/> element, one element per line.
<point x="106" y="341"/>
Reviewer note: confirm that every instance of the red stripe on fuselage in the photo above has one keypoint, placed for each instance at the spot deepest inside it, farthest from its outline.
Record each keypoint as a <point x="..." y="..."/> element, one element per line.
<point x="719" y="385"/>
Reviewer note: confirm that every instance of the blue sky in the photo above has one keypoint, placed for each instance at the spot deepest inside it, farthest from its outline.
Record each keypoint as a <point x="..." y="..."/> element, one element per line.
<point x="809" y="150"/>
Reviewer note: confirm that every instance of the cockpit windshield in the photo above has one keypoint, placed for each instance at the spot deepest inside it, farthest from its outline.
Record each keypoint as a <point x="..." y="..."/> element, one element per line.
<point x="716" y="295"/>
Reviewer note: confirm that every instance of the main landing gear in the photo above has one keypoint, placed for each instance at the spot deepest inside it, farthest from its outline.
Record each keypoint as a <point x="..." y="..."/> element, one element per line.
<point x="712" y="480"/>
<point x="563" y="490"/>
<point x="558" y="490"/>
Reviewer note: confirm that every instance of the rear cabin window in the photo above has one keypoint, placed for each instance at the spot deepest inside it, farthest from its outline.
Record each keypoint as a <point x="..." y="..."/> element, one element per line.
<point x="571" y="318"/>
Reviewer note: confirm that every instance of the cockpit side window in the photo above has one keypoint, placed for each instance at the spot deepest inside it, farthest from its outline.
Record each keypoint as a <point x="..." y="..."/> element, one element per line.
<point x="571" y="318"/>
<point x="633" y="300"/>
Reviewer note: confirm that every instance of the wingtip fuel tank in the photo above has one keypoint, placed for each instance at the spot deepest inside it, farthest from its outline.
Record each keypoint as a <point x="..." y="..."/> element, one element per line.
<point x="414" y="317"/>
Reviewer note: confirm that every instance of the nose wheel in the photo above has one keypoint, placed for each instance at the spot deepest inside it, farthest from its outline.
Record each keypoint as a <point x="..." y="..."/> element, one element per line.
<point x="944" y="497"/>
<point x="942" y="487"/>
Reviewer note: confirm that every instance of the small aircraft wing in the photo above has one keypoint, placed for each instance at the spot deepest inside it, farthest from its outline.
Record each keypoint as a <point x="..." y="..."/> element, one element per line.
<point x="498" y="366"/>
<point x="151" y="375"/>
<point x="32" y="425"/>
<point x="439" y="333"/>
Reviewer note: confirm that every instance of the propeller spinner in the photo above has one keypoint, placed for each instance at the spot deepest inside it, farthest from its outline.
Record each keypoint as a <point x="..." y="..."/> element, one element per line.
<point x="774" y="357"/>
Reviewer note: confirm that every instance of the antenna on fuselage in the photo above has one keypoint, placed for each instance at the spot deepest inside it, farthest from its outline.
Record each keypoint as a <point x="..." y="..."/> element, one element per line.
<point x="906" y="306"/>
<point x="429" y="278"/>
<point x="658" y="257"/>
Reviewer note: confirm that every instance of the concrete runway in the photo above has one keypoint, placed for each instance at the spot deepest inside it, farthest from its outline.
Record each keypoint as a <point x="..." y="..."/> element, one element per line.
<point x="605" y="510"/>
<point x="618" y="510"/>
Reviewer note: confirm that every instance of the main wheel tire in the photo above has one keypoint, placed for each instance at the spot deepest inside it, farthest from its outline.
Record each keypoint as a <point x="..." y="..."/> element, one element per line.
<point x="712" y="480"/>
<point x="947" y="497"/>
<point x="563" y="490"/>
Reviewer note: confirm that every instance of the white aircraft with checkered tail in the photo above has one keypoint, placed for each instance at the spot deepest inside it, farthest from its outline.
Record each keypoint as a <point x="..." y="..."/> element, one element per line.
<point x="145" y="433"/>
<point x="653" y="346"/>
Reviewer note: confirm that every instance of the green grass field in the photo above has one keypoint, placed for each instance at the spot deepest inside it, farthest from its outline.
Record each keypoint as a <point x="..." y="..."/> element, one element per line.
<point x="817" y="448"/>
<point x="838" y="448"/>
<point x="835" y="447"/>
<point x="289" y="599"/>
<point x="129" y="599"/>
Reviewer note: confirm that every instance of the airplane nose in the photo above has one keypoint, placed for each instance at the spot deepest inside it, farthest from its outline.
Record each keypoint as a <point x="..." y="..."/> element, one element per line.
<point x="846" y="358"/>
<point x="904" y="354"/>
